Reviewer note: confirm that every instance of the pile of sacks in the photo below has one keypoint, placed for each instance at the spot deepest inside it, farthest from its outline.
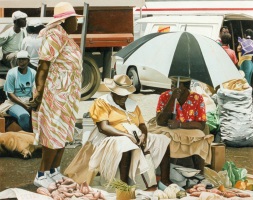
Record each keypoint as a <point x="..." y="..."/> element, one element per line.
<point x="234" y="100"/>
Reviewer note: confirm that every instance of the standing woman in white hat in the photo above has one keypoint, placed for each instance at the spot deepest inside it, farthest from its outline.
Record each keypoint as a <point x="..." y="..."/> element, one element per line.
<point x="58" y="84"/>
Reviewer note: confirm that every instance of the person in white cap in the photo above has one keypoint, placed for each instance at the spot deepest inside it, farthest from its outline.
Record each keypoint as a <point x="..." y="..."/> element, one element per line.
<point x="11" y="39"/>
<point x="32" y="42"/>
<point x="19" y="89"/>
<point x="58" y="84"/>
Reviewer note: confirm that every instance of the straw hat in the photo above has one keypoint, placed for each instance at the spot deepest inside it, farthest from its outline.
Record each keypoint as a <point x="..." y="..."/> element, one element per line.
<point x="120" y="85"/>
<point x="62" y="11"/>
<point x="182" y="79"/>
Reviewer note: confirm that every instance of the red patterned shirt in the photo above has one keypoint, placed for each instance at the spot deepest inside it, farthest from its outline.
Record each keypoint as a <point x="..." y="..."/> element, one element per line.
<point x="192" y="110"/>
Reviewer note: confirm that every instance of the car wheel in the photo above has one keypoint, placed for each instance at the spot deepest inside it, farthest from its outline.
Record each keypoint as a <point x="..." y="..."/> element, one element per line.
<point x="132" y="74"/>
<point x="91" y="78"/>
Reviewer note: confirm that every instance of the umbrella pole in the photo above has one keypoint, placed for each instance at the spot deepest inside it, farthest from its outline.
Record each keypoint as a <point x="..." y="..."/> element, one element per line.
<point x="174" y="114"/>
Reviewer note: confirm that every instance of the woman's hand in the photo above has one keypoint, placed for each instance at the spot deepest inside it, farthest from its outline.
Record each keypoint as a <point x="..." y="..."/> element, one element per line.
<point x="173" y="124"/>
<point x="143" y="140"/>
<point x="176" y="93"/>
<point x="35" y="102"/>
<point x="132" y="138"/>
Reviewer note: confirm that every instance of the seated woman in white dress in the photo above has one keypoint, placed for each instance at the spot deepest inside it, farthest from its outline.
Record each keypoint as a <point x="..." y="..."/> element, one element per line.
<point x="117" y="116"/>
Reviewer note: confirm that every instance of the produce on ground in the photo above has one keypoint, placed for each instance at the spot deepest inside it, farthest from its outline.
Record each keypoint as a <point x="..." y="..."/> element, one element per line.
<point x="67" y="188"/>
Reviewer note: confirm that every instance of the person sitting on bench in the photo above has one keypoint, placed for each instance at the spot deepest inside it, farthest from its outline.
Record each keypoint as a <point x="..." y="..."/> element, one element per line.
<point x="19" y="89"/>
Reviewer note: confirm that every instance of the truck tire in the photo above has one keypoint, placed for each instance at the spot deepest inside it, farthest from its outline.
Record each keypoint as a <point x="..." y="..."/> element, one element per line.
<point x="90" y="78"/>
<point x="132" y="74"/>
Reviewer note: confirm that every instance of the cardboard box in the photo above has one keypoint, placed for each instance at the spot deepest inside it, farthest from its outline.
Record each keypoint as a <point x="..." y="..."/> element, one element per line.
<point x="13" y="127"/>
<point x="2" y="125"/>
<point x="218" y="156"/>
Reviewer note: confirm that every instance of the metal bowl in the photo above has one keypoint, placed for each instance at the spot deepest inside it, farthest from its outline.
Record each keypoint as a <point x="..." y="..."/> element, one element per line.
<point x="187" y="172"/>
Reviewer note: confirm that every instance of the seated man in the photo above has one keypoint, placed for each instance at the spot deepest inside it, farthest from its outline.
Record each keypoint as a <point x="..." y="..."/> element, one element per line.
<point x="19" y="89"/>
<point x="11" y="39"/>
<point x="186" y="130"/>
<point x="115" y="116"/>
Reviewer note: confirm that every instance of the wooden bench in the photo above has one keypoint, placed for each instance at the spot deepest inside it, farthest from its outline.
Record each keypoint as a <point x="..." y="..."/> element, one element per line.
<point x="3" y="70"/>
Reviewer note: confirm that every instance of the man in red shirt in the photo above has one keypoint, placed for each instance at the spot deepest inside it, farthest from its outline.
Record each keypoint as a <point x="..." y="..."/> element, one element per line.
<point x="225" y="38"/>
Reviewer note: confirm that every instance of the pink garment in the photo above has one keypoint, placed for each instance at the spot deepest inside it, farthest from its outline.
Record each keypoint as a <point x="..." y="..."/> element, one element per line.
<point x="231" y="54"/>
<point x="62" y="90"/>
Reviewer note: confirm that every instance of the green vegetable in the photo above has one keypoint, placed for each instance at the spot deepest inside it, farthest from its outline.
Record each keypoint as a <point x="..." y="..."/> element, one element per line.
<point x="120" y="185"/>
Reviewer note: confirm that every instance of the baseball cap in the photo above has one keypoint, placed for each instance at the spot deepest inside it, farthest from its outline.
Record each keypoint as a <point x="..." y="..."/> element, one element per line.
<point x="18" y="15"/>
<point x="34" y="23"/>
<point x="23" y="54"/>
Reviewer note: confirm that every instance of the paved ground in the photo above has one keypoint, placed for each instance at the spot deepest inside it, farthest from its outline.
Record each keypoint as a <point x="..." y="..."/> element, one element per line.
<point x="16" y="172"/>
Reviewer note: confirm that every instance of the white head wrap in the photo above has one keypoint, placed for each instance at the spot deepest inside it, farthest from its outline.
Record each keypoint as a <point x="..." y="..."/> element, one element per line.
<point x="18" y="15"/>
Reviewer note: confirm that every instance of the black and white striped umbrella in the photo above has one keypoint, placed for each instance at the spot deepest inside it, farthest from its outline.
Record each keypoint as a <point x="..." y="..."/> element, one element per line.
<point x="182" y="54"/>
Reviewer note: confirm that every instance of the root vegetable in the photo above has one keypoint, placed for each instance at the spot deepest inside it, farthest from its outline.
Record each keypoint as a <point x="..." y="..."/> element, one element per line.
<point x="67" y="181"/>
<point x="43" y="191"/>
<point x="101" y="196"/>
<point x="97" y="194"/>
<point x="68" y="194"/>
<point x="78" y="194"/>
<point x="52" y="187"/>
<point x="71" y="186"/>
<point x="216" y="191"/>
<point x="191" y="190"/>
<point x="55" y="194"/>
<point x="242" y="195"/>
<point x="199" y="185"/>
<point x="201" y="188"/>
<point x="229" y="194"/>
<point x="61" y="189"/>
<point x="89" y="195"/>
<point x="195" y="194"/>
<point x="85" y="190"/>
<point x="59" y="181"/>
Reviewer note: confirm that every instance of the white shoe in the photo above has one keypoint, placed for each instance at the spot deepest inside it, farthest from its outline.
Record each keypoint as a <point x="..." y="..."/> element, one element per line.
<point x="56" y="175"/>
<point x="43" y="181"/>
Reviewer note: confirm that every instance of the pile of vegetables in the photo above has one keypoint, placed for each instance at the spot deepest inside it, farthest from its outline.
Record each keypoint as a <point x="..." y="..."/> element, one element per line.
<point x="67" y="188"/>
<point x="196" y="191"/>
<point x="171" y="192"/>
<point x="123" y="190"/>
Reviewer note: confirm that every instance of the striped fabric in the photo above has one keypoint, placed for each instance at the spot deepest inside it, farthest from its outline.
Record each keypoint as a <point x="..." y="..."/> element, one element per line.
<point x="60" y="103"/>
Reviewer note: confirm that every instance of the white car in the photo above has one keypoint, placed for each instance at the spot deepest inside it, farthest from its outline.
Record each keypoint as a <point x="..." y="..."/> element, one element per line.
<point x="142" y="76"/>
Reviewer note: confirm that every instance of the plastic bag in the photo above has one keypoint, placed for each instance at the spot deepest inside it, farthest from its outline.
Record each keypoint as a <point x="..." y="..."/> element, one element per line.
<point x="213" y="121"/>
<point x="235" y="174"/>
<point x="217" y="179"/>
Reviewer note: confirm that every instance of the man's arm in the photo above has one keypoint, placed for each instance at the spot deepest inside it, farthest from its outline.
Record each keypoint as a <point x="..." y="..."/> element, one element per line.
<point x="16" y="100"/>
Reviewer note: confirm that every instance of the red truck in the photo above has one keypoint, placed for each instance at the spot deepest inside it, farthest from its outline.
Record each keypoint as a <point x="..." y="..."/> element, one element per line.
<point x="109" y="28"/>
